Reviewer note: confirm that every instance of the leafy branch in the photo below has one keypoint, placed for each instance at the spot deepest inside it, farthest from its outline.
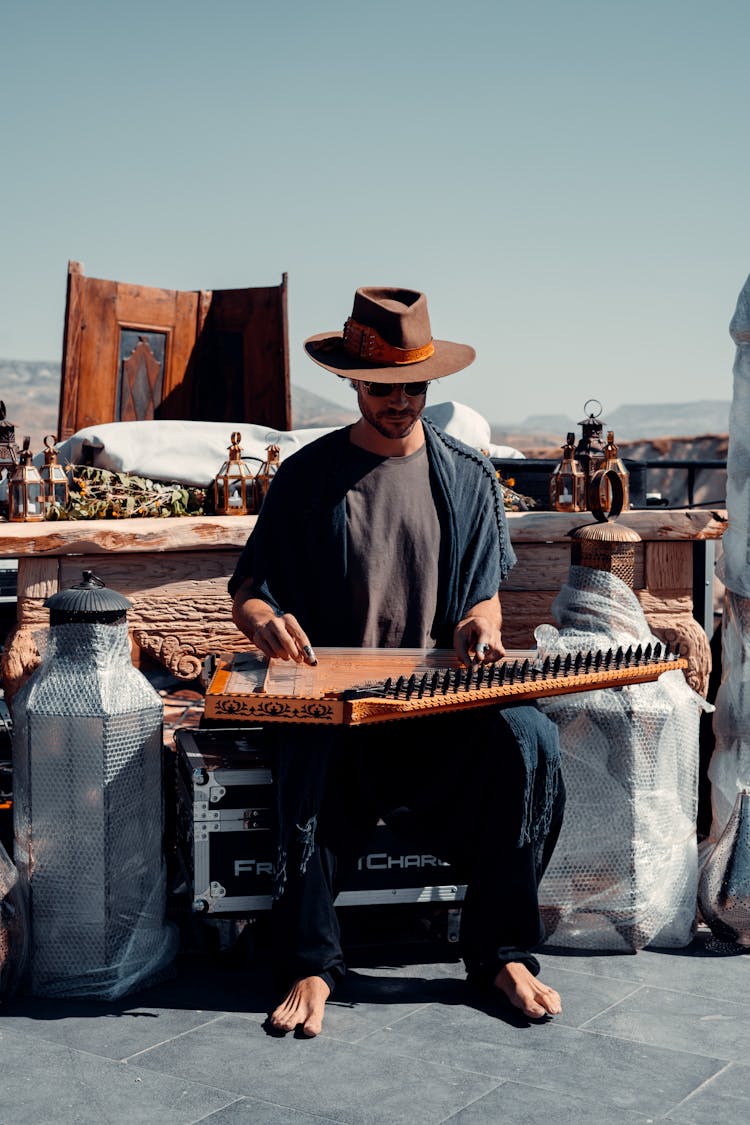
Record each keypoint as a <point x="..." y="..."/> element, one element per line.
<point x="99" y="494"/>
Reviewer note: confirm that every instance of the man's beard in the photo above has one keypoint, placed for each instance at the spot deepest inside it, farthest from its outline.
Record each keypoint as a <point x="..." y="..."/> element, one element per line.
<point x="400" y="425"/>
<point x="394" y="427"/>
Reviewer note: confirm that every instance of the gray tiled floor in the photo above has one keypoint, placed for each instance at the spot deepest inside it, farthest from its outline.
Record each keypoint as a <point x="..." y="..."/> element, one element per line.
<point x="655" y="1036"/>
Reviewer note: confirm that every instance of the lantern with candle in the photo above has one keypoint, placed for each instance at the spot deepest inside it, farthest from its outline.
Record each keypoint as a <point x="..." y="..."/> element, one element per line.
<point x="233" y="485"/>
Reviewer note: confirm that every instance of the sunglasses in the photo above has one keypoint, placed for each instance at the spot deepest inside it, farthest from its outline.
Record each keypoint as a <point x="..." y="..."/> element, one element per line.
<point x="382" y="390"/>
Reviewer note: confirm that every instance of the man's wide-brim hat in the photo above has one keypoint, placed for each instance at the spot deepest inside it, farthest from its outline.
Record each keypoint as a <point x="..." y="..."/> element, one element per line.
<point x="388" y="339"/>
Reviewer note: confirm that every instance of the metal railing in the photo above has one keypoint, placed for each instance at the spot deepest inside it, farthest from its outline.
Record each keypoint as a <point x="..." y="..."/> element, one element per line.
<point x="692" y="467"/>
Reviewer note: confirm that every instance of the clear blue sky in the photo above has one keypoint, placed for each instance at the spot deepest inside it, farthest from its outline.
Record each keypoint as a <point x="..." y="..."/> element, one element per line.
<point x="567" y="181"/>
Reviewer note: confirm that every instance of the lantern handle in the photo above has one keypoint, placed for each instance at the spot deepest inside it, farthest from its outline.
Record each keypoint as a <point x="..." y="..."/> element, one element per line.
<point x="592" y="413"/>
<point x="50" y="441"/>
<point x="88" y="581"/>
<point x="597" y="495"/>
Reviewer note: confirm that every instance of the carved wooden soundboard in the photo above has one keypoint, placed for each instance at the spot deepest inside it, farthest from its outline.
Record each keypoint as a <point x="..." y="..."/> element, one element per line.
<point x="353" y="686"/>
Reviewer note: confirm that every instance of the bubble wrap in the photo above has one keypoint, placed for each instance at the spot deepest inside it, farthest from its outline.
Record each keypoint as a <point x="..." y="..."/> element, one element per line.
<point x="88" y="812"/>
<point x="14" y="927"/>
<point x="724" y="888"/>
<point x="729" y="769"/>
<point x="624" y="873"/>
<point x="734" y="566"/>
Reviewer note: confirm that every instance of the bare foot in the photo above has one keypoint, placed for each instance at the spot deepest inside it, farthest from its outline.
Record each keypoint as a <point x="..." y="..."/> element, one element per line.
<point x="303" y="1005"/>
<point x="525" y="991"/>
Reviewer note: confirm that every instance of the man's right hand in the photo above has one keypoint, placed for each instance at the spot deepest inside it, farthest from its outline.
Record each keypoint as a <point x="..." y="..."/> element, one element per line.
<point x="279" y="636"/>
<point x="283" y="638"/>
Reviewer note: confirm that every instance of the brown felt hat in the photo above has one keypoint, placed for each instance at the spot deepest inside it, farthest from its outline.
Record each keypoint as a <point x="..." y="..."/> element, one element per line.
<point x="387" y="339"/>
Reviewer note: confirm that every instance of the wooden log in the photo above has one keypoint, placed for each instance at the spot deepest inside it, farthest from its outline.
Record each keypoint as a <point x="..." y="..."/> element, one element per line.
<point x="128" y="536"/>
<point x="669" y="568"/>
<point x="651" y="524"/>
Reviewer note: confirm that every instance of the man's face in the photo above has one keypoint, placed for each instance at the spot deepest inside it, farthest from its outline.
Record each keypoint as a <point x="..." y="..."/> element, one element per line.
<point x="394" y="415"/>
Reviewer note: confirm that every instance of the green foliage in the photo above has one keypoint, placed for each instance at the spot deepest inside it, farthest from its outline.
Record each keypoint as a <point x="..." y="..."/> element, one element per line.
<point x="98" y="494"/>
<point x="516" y="501"/>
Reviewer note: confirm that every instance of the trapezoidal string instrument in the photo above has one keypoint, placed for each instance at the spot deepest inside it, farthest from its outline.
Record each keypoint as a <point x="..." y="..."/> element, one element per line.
<point x="354" y="686"/>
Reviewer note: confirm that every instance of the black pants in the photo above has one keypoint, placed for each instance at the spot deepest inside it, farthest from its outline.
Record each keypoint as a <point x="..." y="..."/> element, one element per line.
<point x="455" y="785"/>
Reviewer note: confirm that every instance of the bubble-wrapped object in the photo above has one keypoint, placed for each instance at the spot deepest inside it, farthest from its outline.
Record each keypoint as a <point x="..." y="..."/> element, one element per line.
<point x="724" y="889"/>
<point x="88" y="812"/>
<point x="624" y="873"/>
<point x="729" y="769"/>
<point x="14" y="927"/>
<point x="735" y="563"/>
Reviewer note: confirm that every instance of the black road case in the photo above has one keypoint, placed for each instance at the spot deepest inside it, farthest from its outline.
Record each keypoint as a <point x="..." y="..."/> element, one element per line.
<point x="224" y="820"/>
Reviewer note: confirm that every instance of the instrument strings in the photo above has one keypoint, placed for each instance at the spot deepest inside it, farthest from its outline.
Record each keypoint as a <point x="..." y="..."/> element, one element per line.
<point x="447" y="681"/>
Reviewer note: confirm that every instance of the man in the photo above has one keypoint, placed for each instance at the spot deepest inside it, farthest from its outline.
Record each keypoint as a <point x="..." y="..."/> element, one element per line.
<point x="389" y="533"/>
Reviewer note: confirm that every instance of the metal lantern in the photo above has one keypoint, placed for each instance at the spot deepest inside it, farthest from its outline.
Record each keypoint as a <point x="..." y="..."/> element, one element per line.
<point x="266" y="473"/>
<point x="25" y="489"/>
<point x="609" y="488"/>
<point x="8" y="449"/>
<point x="567" y="486"/>
<point x="606" y="546"/>
<point x="233" y="485"/>
<point x="88" y="804"/>
<point x="588" y="450"/>
<point x="54" y="476"/>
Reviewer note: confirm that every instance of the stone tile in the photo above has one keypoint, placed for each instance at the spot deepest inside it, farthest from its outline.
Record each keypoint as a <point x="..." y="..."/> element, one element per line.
<point x="50" y="1084"/>
<point x="724" y="1099"/>
<point x="584" y="996"/>
<point x="250" y="1111"/>
<point x="321" y="1076"/>
<point x="111" y="1034"/>
<point x="680" y="1022"/>
<point x="121" y="1028"/>
<point x="550" y="1055"/>
<point x="528" y="1105"/>
<point x="696" y="968"/>
<point x="369" y="1000"/>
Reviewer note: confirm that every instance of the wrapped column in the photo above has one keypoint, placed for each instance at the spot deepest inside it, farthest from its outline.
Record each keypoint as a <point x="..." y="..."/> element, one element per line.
<point x="624" y="872"/>
<point x="729" y="769"/>
<point x="88" y="805"/>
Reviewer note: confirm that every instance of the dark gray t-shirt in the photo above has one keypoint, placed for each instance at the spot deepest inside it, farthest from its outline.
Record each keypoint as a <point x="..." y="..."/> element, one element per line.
<point x="393" y="543"/>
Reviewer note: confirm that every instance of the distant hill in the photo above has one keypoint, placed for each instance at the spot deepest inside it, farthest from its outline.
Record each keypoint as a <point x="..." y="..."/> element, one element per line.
<point x="31" y="391"/>
<point x="309" y="409"/>
<point x="632" y="422"/>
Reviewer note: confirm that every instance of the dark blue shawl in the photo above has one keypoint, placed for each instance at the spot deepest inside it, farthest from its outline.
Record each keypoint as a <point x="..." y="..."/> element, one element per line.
<point x="296" y="554"/>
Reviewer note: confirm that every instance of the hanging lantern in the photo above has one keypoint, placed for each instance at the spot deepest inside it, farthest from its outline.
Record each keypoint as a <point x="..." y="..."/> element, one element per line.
<point x="25" y="489"/>
<point x="266" y="473"/>
<point x="54" y="477"/>
<point x="588" y="450"/>
<point x="567" y="486"/>
<point x="233" y="486"/>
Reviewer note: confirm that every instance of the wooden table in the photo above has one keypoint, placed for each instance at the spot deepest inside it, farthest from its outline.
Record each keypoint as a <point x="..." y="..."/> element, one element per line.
<point x="175" y="573"/>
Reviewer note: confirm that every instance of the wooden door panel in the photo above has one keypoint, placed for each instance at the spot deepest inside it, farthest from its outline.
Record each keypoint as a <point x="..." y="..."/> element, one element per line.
<point x="132" y="351"/>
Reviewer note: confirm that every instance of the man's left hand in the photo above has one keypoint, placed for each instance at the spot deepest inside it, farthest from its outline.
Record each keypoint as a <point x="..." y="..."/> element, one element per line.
<point x="477" y="640"/>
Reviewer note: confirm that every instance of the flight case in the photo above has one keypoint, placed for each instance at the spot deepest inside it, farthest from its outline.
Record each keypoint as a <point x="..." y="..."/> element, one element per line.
<point x="225" y="833"/>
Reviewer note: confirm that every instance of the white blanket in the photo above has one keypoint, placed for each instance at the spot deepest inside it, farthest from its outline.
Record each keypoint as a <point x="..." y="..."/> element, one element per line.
<point x="193" y="452"/>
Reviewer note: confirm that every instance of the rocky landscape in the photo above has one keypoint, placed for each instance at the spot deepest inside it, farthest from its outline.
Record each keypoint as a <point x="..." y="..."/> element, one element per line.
<point x="687" y="431"/>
